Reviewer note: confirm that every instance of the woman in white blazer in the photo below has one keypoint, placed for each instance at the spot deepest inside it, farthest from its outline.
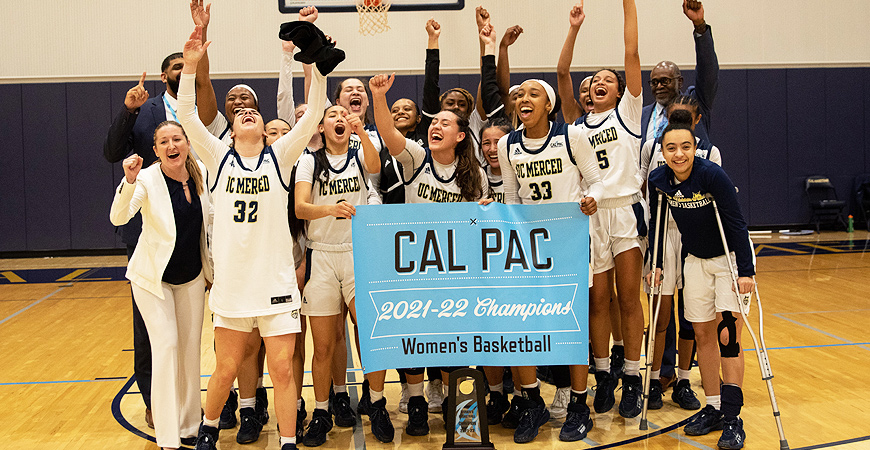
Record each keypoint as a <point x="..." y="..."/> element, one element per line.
<point x="168" y="272"/>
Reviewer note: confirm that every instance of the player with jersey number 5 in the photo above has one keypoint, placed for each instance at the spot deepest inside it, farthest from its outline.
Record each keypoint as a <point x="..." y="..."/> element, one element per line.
<point x="255" y="280"/>
<point x="693" y="187"/>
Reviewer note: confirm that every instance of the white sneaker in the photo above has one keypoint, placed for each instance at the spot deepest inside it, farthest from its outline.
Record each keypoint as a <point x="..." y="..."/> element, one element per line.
<point x="403" y="403"/>
<point x="559" y="408"/>
<point x="435" y="393"/>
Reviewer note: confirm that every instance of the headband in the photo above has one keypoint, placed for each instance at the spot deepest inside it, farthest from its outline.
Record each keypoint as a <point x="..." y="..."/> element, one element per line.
<point x="250" y="89"/>
<point x="551" y="94"/>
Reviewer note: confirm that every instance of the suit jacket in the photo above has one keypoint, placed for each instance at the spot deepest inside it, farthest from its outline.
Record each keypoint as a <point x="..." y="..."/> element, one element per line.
<point x="157" y="241"/>
<point x="704" y="90"/>
<point x="134" y="133"/>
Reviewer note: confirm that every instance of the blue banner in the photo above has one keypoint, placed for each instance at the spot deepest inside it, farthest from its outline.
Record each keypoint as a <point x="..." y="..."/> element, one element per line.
<point x="462" y="284"/>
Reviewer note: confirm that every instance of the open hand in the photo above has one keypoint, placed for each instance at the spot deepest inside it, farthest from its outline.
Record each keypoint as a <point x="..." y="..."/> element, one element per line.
<point x="136" y="96"/>
<point x="201" y="15"/>
<point x="194" y="48"/>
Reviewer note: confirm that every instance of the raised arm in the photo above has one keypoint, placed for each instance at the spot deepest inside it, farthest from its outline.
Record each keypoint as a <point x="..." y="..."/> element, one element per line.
<point x="490" y="103"/>
<point x="206" y="99"/>
<point x="371" y="159"/>
<point x="119" y="141"/>
<point x="481" y="17"/>
<point x="431" y="104"/>
<point x="571" y="110"/>
<point x="706" y="62"/>
<point x="633" y="81"/>
<point x="289" y="147"/>
<point x="286" y="103"/>
<point x="208" y="147"/>
<point x="393" y="139"/>
<point x="130" y="195"/>
<point x="503" y="69"/>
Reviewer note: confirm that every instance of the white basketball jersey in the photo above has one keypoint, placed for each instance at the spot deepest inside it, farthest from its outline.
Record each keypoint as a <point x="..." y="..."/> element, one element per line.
<point x="547" y="174"/>
<point x="253" y="250"/>
<point x="496" y="185"/>
<point x="615" y="142"/>
<point x="426" y="186"/>
<point x="345" y="183"/>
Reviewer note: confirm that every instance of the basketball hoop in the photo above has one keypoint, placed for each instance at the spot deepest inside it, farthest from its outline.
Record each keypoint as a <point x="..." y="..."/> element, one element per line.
<point x="372" y="16"/>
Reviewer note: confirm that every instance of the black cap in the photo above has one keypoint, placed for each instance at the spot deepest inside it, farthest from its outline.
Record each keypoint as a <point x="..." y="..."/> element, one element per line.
<point x="314" y="48"/>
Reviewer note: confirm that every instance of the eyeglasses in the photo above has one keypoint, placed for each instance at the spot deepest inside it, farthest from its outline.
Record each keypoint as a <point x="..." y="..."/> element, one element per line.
<point x="664" y="81"/>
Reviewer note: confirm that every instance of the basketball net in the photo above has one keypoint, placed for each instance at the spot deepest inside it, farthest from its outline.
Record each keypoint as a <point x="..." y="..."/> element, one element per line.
<point x="372" y="16"/>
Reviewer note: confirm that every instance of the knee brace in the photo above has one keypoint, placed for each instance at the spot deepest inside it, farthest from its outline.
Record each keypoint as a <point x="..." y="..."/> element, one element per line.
<point x="731" y="349"/>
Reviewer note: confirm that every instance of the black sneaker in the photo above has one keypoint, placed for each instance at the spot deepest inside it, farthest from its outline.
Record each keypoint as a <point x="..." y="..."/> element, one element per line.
<point x="262" y="406"/>
<point x="418" y="416"/>
<point x="655" y="395"/>
<point x="228" y="415"/>
<point x="684" y="396"/>
<point x="301" y="414"/>
<point x="188" y="441"/>
<point x="617" y="361"/>
<point x="733" y="435"/>
<point x="709" y="419"/>
<point x="496" y="407"/>
<point x="604" y="398"/>
<point x="288" y="447"/>
<point x="207" y="438"/>
<point x="249" y="427"/>
<point x="365" y="400"/>
<point x="382" y="427"/>
<point x="344" y="415"/>
<point x="577" y="424"/>
<point x="321" y="423"/>
<point x="511" y="418"/>
<point x="532" y="416"/>
<point x="632" y="396"/>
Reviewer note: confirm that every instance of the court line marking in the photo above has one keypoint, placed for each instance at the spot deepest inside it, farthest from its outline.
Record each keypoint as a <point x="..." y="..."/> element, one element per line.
<point x="32" y="304"/>
<point x="780" y="316"/>
<point x="831" y="444"/>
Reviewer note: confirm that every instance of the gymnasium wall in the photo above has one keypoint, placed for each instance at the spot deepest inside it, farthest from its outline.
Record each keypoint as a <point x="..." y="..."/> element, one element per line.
<point x="793" y="100"/>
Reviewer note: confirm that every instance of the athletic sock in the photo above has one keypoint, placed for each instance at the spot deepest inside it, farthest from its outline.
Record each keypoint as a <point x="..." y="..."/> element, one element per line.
<point x="247" y="402"/>
<point x="322" y="405"/>
<point x="260" y="382"/>
<point x="414" y="389"/>
<point x="655" y="374"/>
<point x="496" y="388"/>
<point x="212" y="423"/>
<point x="619" y="343"/>
<point x="288" y="440"/>
<point x="715" y="401"/>
<point x="375" y="395"/>
<point x="518" y="392"/>
<point x="632" y="368"/>
<point x="602" y="365"/>
<point x="683" y="374"/>
<point x="578" y="396"/>
<point x="732" y="400"/>
<point x="339" y="389"/>
<point x="533" y="392"/>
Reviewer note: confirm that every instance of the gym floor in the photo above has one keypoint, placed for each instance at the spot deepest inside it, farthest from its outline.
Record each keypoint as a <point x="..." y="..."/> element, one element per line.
<point x="66" y="341"/>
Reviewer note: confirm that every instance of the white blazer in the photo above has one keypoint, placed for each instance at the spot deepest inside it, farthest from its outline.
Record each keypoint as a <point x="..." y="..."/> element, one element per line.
<point x="157" y="241"/>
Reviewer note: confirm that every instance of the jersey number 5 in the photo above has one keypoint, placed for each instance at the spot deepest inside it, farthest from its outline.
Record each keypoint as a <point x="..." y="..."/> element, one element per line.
<point x="240" y="215"/>
<point x="603" y="163"/>
<point x="544" y="192"/>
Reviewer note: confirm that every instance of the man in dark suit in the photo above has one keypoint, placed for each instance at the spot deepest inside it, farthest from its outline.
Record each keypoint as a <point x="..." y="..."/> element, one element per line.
<point x="132" y="131"/>
<point x="666" y="82"/>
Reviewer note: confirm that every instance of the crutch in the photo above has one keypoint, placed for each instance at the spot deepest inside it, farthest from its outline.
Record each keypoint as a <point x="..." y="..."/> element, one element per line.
<point x="659" y="243"/>
<point x="760" y="347"/>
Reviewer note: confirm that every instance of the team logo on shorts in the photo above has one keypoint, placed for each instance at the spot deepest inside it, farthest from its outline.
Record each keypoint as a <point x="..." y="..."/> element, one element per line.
<point x="305" y="300"/>
<point x="294" y="314"/>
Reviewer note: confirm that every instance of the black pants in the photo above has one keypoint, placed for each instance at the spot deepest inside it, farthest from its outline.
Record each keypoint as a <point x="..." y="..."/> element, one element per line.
<point x="141" y="349"/>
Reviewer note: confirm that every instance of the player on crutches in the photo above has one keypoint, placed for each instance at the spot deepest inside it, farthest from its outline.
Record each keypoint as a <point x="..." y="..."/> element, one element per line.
<point x="659" y="242"/>
<point x="689" y="183"/>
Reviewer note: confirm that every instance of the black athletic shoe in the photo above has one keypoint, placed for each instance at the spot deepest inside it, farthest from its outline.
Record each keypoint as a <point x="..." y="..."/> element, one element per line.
<point x="733" y="435"/>
<point x="344" y="415"/>
<point x="577" y="424"/>
<point x="207" y="438"/>
<point x="188" y="441"/>
<point x="655" y="395"/>
<point x="632" y="396"/>
<point x="617" y="361"/>
<point x="496" y="407"/>
<point x="382" y="427"/>
<point x="604" y="398"/>
<point x="288" y="447"/>
<point x="365" y="400"/>
<point x="321" y="423"/>
<point x="684" y="396"/>
<point x="709" y="419"/>
<point x="532" y="416"/>
<point x="262" y="406"/>
<point x="249" y="427"/>
<point x="228" y="415"/>
<point x="511" y="418"/>
<point x="418" y="416"/>
<point x="301" y="414"/>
